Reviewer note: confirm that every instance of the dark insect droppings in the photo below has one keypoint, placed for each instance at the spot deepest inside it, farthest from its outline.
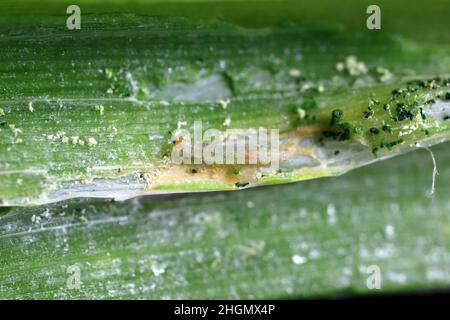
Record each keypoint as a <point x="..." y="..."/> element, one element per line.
<point x="336" y="116"/>
<point x="403" y="112"/>
<point x="375" y="152"/>
<point x="241" y="184"/>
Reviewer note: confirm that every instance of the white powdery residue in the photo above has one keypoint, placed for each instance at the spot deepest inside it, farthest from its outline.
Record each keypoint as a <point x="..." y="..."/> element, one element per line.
<point x="46" y="214"/>
<point x="321" y="88"/>
<point x="297" y="259"/>
<point x="36" y="219"/>
<point x="108" y="73"/>
<point x="100" y="108"/>
<point x="295" y="73"/>
<point x="14" y="130"/>
<point x="224" y="103"/>
<point x="133" y="84"/>
<point x="181" y="124"/>
<point x="331" y="213"/>
<point x="157" y="271"/>
<point x="227" y="122"/>
<point x="384" y="74"/>
<point x="301" y="113"/>
<point x="389" y="230"/>
<point x="352" y="66"/>
<point x="435" y="172"/>
<point x="91" y="141"/>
